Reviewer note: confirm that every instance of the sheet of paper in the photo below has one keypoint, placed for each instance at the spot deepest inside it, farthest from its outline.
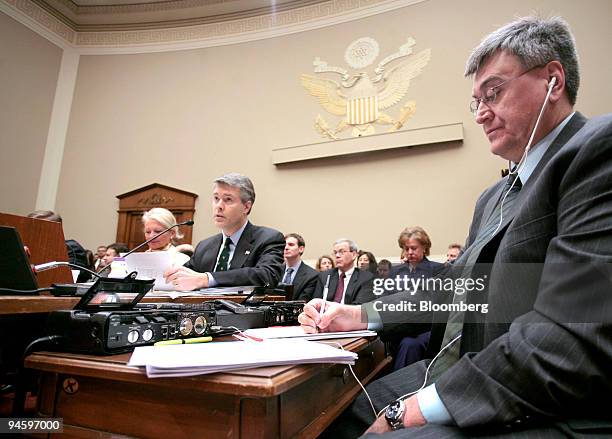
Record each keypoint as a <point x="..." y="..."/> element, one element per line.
<point x="298" y="332"/>
<point x="204" y="358"/>
<point x="151" y="265"/>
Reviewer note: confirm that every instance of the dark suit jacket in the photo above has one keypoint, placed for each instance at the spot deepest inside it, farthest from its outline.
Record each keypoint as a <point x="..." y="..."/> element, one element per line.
<point x="544" y="349"/>
<point x="425" y="268"/>
<point x="304" y="282"/>
<point x="257" y="258"/>
<point x="359" y="289"/>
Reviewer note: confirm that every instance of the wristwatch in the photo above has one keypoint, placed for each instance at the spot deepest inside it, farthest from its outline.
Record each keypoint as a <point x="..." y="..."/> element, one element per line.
<point x="395" y="413"/>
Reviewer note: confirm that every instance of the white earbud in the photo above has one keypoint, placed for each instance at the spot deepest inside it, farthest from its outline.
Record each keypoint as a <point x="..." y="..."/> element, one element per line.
<point x="552" y="82"/>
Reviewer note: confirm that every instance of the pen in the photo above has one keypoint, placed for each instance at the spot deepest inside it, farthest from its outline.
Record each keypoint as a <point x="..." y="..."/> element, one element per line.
<point x="325" y="292"/>
<point x="183" y="341"/>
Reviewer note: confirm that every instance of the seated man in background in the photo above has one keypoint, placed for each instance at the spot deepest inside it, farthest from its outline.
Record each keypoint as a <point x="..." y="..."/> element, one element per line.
<point x="384" y="268"/>
<point x="345" y="283"/>
<point x="453" y="252"/>
<point x="100" y="252"/>
<point x="112" y="250"/>
<point x="296" y="273"/>
<point x="242" y="254"/>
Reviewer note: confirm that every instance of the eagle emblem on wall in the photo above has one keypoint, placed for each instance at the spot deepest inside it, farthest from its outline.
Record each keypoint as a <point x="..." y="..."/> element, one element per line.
<point x="363" y="99"/>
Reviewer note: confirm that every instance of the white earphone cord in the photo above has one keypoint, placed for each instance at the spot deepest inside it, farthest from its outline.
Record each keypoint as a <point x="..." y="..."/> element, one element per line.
<point x="521" y="163"/>
<point x="519" y="167"/>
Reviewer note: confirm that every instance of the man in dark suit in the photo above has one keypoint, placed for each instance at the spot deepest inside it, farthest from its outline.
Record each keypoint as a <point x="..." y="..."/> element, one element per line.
<point x="296" y="273"/>
<point x="242" y="254"/>
<point x="345" y="283"/>
<point x="537" y="362"/>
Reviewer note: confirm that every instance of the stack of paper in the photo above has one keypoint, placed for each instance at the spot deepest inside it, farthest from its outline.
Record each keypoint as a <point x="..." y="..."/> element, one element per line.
<point x="204" y="358"/>
<point x="298" y="332"/>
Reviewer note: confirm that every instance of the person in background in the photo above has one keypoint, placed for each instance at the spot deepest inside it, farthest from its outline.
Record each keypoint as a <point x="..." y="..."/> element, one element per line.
<point x="157" y="220"/>
<point x="295" y="272"/>
<point x="324" y="263"/>
<point x="416" y="245"/>
<point x="99" y="255"/>
<point x="384" y="267"/>
<point x="242" y="254"/>
<point x="345" y="283"/>
<point x="112" y="250"/>
<point x="453" y="252"/>
<point x="367" y="261"/>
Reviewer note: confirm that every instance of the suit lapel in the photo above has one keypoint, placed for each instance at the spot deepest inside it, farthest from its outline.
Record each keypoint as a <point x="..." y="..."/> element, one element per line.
<point x="352" y="285"/>
<point x="243" y="248"/>
<point x="333" y="284"/>
<point x="298" y="277"/>
<point x="209" y="259"/>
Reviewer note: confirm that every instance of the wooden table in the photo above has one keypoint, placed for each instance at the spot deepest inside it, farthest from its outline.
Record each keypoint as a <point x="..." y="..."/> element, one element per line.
<point x="269" y="402"/>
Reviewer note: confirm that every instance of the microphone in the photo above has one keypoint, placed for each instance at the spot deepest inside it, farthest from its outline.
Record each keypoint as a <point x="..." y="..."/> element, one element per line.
<point x="184" y="223"/>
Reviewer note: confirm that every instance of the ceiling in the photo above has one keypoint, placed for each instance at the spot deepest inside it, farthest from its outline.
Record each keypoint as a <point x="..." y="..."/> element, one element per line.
<point x="109" y="15"/>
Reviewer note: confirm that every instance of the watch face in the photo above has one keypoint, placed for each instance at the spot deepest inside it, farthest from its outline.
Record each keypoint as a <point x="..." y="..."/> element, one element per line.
<point x="393" y="410"/>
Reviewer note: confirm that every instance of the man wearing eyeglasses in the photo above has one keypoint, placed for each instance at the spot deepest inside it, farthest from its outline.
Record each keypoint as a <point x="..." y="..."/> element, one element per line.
<point x="346" y="283"/>
<point x="537" y="363"/>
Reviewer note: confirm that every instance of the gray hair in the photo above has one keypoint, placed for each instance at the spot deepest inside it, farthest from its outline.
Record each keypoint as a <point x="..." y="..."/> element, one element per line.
<point x="162" y="216"/>
<point x="535" y="42"/>
<point x="242" y="182"/>
<point x="352" y="244"/>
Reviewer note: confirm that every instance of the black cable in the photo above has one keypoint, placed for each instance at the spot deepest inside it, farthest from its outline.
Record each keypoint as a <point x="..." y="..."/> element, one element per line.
<point x="20" y="386"/>
<point x="38" y="290"/>
<point x="48" y="339"/>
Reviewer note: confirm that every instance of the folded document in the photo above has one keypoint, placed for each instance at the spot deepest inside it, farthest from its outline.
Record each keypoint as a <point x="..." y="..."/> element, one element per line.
<point x="204" y="358"/>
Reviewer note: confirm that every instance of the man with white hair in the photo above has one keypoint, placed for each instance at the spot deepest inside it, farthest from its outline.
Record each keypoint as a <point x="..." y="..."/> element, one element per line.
<point x="345" y="283"/>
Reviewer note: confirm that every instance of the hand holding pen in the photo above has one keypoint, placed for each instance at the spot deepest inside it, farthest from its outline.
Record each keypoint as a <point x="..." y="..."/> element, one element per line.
<point x="324" y="316"/>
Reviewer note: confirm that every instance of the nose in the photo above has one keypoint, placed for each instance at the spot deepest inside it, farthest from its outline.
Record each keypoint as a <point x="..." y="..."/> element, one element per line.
<point x="483" y="113"/>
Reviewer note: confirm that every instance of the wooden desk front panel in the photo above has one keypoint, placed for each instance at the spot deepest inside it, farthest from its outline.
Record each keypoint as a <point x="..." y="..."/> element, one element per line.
<point x="307" y="398"/>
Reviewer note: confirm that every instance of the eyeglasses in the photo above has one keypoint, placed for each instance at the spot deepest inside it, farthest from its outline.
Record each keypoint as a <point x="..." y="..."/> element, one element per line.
<point x="490" y="94"/>
<point x="340" y="252"/>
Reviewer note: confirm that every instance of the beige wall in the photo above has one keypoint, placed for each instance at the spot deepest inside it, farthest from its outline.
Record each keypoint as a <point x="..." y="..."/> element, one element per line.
<point x="29" y="67"/>
<point x="182" y="118"/>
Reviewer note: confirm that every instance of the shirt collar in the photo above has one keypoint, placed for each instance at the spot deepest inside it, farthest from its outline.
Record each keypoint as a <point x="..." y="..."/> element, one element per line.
<point x="295" y="267"/>
<point x="536" y="153"/>
<point x="237" y="234"/>
<point x="347" y="273"/>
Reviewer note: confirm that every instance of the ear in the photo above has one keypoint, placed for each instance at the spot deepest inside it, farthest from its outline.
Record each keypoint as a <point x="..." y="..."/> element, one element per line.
<point x="554" y="69"/>
<point x="247" y="207"/>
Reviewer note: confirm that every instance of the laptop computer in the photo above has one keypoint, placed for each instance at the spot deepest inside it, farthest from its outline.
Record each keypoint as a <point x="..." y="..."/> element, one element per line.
<point x="15" y="270"/>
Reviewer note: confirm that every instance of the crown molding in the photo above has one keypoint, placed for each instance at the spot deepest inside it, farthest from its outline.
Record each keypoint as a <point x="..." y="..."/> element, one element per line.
<point x="301" y="19"/>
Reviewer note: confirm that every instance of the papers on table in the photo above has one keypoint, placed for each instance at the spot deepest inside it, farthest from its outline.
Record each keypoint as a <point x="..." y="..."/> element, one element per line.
<point x="218" y="291"/>
<point x="298" y="332"/>
<point x="204" y="358"/>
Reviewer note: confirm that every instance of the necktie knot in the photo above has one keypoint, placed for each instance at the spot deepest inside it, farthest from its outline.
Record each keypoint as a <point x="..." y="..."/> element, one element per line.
<point x="287" y="278"/>
<point x="514" y="181"/>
